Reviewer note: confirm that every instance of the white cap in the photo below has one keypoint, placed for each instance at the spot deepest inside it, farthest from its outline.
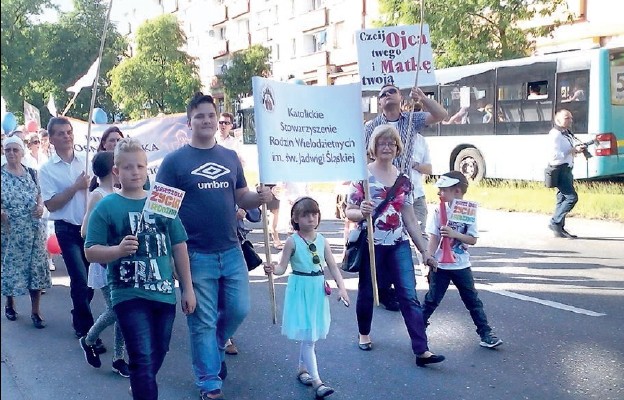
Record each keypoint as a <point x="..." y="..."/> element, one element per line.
<point x="446" y="181"/>
<point x="13" y="139"/>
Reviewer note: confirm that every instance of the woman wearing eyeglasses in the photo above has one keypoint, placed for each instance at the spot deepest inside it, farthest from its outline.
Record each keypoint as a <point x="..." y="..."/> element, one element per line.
<point x="24" y="263"/>
<point x="306" y="306"/>
<point x="394" y="221"/>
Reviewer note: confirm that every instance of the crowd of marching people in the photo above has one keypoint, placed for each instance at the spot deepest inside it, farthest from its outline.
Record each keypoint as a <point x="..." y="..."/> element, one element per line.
<point x="135" y="258"/>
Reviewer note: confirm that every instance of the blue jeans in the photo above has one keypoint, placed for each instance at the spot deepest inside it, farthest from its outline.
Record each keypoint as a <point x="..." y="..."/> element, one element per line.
<point x="395" y="263"/>
<point x="221" y="284"/>
<point x="72" y="247"/>
<point x="146" y="326"/>
<point x="566" y="196"/>
<point x="464" y="282"/>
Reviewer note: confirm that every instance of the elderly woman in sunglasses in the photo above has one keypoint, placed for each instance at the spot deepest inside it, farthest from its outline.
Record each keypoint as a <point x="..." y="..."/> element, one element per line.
<point x="390" y="205"/>
<point x="34" y="157"/>
<point x="24" y="262"/>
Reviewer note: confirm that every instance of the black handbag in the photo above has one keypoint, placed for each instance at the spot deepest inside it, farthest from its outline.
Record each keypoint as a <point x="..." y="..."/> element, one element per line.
<point x="551" y="175"/>
<point x="356" y="249"/>
<point x="252" y="258"/>
<point x="357" y="241"/>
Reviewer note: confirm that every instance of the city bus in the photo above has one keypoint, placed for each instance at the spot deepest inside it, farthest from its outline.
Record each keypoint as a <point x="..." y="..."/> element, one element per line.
<point x="500" y="114"/>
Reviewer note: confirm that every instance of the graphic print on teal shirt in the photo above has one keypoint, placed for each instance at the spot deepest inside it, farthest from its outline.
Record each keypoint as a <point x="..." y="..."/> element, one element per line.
<point x="142" y="270"/>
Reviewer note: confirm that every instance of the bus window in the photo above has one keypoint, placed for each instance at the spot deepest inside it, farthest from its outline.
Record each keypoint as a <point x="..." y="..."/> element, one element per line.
<point x="573" y="90"/>
<point x="537" y="90"/>
<point x="573" y="93"/>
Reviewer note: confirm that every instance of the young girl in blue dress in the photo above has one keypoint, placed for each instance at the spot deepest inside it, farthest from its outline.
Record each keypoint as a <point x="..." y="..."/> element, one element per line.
<point x="306" y="306"/>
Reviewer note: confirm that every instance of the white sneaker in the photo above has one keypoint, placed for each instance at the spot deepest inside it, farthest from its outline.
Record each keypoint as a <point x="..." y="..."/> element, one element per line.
<point x="51" y="264"/>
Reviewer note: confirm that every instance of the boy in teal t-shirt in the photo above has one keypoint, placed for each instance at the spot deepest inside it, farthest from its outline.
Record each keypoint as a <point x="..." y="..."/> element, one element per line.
<point x="137" y="248"/>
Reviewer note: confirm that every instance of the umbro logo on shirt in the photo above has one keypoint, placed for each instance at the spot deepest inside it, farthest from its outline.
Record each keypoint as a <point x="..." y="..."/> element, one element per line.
<point x="212" y="171"/>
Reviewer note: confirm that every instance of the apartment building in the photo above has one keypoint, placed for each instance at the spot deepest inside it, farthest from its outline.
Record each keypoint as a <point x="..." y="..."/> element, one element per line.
<point x="314" y="40"/>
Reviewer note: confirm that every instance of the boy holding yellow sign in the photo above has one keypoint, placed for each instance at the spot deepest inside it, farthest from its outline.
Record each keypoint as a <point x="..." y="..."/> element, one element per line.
<point x="138" y="244"/>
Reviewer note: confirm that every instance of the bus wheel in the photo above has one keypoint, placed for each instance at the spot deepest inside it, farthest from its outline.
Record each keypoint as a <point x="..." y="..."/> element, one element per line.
<point x="469" y="162"/>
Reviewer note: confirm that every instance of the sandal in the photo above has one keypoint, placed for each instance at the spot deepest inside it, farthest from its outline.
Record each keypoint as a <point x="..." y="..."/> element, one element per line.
<point x="322" y="391"/>
<point x="10" y="313"/>
<point x="305" y="378"/>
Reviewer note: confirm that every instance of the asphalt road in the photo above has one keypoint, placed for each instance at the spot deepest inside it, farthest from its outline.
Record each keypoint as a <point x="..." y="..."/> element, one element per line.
<point x="556" y="303"/>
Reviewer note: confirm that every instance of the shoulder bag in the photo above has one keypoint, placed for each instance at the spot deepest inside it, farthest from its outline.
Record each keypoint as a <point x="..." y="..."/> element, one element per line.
<point x="252" y="259"/>
<point x="357" y="242"/>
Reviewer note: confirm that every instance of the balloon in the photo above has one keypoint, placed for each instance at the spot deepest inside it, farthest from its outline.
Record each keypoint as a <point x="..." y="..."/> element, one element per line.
<point x="297" y="81"/>
<point x="32" y="126"/>
<point x="9" y="122"/>
<point x="53" y="245"/>
<point x="99" y="116"/>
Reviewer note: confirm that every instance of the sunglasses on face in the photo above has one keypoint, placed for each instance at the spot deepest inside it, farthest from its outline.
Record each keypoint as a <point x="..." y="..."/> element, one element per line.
<point x="224" y="123"/>
<point x="387" y="93"/>
<point x="315" y="257"/>
<point x="34" y="142"/>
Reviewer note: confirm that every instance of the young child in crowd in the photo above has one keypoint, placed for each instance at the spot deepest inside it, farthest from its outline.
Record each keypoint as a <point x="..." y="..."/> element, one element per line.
<point x="306" y="306"/>
<point x="453" y="185"/>
<point x="138" y="247"/>
<point x="103" y="169"/>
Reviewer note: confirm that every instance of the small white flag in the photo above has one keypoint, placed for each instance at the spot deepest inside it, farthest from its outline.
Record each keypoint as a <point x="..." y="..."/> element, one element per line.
<point x="86" y="80"/>
<point x="52" y="107"/>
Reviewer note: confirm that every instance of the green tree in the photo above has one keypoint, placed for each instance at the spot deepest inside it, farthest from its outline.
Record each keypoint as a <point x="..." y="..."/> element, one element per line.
<point x="159" y="78"/>
<point x="473" y="31"/>
<point x="19" y="58"/>
<point x="39" y="59"/>
<point x="78" y="33"/>
<point x="245" y="64"/>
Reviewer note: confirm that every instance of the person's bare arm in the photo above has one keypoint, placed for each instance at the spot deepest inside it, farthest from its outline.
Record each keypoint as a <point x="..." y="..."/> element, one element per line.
<point x="183" y="274"/>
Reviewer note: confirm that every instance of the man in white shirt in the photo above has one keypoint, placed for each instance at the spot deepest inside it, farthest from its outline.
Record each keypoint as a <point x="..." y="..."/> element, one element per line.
<point x="64" y="185"/>
<point x="421" y="165"/>
<point x="226" y="139"/>
<point x="390" y="100"/>
<point x="562" y="157"/>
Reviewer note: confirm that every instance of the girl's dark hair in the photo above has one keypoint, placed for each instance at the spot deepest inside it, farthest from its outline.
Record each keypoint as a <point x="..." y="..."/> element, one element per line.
<point x="106" y="134"/>
<point x="102" y="165"/>
<point x="304" y="205"/>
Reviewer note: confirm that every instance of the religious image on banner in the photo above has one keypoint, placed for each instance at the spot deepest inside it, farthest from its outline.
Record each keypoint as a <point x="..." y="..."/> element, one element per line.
<point x="389" y="55"/>
<point x="31" y="113"/>
<point x="308" y="133"/>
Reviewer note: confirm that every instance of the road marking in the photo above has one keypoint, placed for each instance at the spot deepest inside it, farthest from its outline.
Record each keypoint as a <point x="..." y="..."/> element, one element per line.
<point x="548" y="303"/>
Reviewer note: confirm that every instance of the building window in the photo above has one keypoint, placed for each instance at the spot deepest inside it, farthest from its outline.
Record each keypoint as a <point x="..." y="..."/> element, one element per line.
<point x="275" y="52"/>
<point x="342" y="40"/>
<point x="293" y="44"/>
<point x="316" y="4"/>
<point x="222" y="33"/>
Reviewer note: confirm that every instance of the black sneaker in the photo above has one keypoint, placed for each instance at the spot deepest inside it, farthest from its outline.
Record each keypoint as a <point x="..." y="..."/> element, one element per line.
<point x="557" y="230"/>
<point x="567" y="234"/>
<point x="121" y="367"/>
<point x="89" y="352"/>
<point x="99" y="346"/>
<point x="490" y="341"/>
